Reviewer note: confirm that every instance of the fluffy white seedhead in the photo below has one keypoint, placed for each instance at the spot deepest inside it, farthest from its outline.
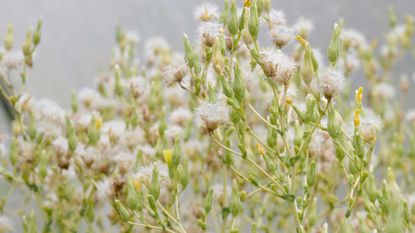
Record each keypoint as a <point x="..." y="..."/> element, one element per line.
<point x="61" y="145"/>
<point x="173" y="131"/>
<point x="351" y="63"/>
<point x="286" y="68"/>
<point x="281" y="35"/>
<point x="132" y="37"/>
<point x="383" y="91"/>
<point x="12" y="59"/>
<point x="175" y="72"/>
<point x="410" y="116"/>
<point x="138" y="87"/>
<point x="209" y="32"/>
<point x="180" y="116"/>
<point x="331" y="82"/>
<point x="89" y="97"/>
<point x="49" y="110"/>
<point x="322" y="147"/>
<point x="206" y="12"/>
<point x="146" y="172"/>
<point x="277" y="65"/>
<point x="103" y="189"/>
<point x="370" y="125"/>
<point x="396" y="34"/>
<point x="277" y="17"/>
<point x="213" y="115"/>
<point x="353" y="38"/>
<point x="6" y="224"/>
<point x="175" y="96"/>
<point x="114" y="128"/>
<point x="154" y="47"/>
<point x="303" y="27"/>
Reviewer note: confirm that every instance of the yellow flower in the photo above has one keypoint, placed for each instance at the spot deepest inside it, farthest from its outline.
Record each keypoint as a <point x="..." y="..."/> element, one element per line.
<point x="357" y="117"/>
<point x="359" y="95"/>
<point x="168" y="156"/>
<point x="98" y="122"/>
<point x="260" y="149"/>
<point x="137" y="185"/>
<point x="302" y="41"/>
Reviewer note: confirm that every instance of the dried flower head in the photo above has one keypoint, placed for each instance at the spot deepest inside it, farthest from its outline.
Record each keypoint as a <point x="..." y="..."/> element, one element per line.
<point x="213" y="115"/>
<point x="278" y="66"/>
<point x="175" y="72"/>
<point x="206" y="12"/>
<point x="370" y="126"/>
<point x="12" y="59"/>
<point x="277" y="17"/>
<point x="331" y="83"/>
<point x="281" y="35"/>
<point x="138" y="86"/>
<point x="209" y="32"/>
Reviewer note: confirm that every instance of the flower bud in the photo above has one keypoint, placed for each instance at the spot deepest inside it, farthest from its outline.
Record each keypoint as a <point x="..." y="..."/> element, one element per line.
<point x="243" y="18"/>
<point x="183" y="170"/>
<point x="238" y="83"/>
<point x="311" y="114"/>
<point x="340" y="153"/>
<point x="88" y="210"/>
<point x="43" y="163"/>
<point x="37" y="33"/>
<point x="334" y="123"/>
<point x="233" y="20"/>
<point x="121" y="210"/>
<point x="117" y="84"/>
<point x="27" y="45"/>
<point x="392" y="16"/>
<point x="310" y="65"/>
<point x="227" y="159"/>
<point x="226" y="87"/>
<point x="8" y="41"/>
<point x="208" y="201"/>
<point x="371" y="187"/>
<point x="334" y="46"/>
<point x="74" y="102"/>
<point x="189" y="55"/>
<point x="71" y="136"/>
<point x="253" y="180"/>
<point x="14" y="151"/>
<point x="235" y="205"/>
<point x="271" y="166"/>
<point x="253" y="23"/>
<point x="93" y="130"/>
<point x="177" y="152"/>
<point x="155" y="186"/>
<point x="218" y="61"/>
<point x="359" y="96"/>
<point x="312" y="174"/>
<point x="358" y="146"/>
<point x="29" y="222"/>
